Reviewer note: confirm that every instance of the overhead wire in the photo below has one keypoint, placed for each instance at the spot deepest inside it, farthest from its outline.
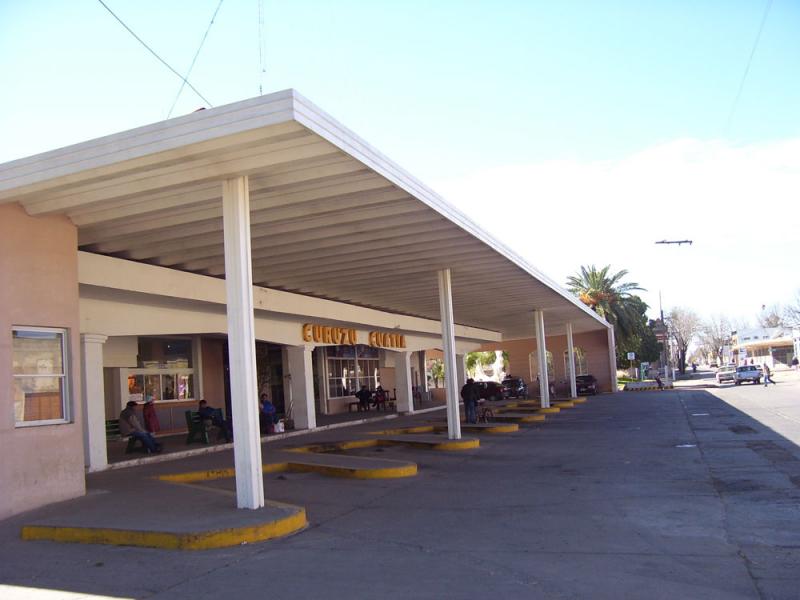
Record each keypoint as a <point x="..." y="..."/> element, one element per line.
<point x="153" y="52"/>
<point x="747" y="67"/>
<point x="196" y="54"/>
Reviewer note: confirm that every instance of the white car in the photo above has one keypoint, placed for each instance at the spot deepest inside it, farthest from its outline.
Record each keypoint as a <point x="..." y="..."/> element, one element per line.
<point x="726" y="374"/>
<point x="747" y="373"/>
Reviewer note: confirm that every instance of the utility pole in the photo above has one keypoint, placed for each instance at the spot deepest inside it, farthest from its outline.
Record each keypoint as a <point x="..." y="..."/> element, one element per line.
<point x="667" y="341"/>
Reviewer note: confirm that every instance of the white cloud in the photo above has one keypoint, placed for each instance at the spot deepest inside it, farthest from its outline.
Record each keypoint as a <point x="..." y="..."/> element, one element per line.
<point x="739" y="205"/>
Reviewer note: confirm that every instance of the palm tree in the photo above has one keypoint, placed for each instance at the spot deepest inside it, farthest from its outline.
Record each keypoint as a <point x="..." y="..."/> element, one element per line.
<point x="607" y="295"/>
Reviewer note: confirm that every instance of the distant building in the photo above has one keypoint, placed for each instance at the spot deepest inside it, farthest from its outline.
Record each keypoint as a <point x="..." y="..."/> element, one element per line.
<point x="774" y="346"/>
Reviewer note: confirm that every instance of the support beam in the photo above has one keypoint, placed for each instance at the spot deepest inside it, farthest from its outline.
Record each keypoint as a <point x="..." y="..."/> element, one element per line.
<point x="402" y="381"/>
<point x="573" y="386"/>
<point x="449" y="350"/>
<point x="541" y="358"/>
<point x="301" y="378"/>
<point x="94" y="402"/>
<point x="461" y="369"/>
<point x="612" y="359"/>
<point x="242" y="344"/>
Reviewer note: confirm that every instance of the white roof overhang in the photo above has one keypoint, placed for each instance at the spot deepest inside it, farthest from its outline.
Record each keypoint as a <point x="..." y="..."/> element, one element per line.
<point x="330" y="216"/>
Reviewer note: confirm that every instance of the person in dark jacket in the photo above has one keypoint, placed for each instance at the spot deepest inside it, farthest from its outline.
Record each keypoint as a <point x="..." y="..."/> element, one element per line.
<point x="470" y="395"/>
<point x="364" y="397"/>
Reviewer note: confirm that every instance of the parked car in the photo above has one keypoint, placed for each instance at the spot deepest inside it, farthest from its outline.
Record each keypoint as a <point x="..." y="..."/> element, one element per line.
<point x="490" y="390"/>
<point x="747" y="373"/>
<point x="586" y="384"/>
<point x="713" y="365"/>
<point x="515" y="387"/>
<point x="727" y="373"/>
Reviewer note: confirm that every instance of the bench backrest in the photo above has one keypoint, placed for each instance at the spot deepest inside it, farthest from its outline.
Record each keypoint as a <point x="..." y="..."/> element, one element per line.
<point x="112" y="429"/>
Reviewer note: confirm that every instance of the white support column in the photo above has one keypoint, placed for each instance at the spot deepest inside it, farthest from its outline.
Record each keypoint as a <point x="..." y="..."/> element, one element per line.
<point x="242" y="343"/>
<point x="573" y="386"/>
<point x="197" y="361"/>
<point x="94" y="401"/>
<point x="423" y="371"/>
<point x="541" y="358"/>
<point x="402" y="381"/>
<point x="612" y="358"/>
<point x="301" y="372"/>
<point x="449" y="350"/>
<point x="461" y="369"/>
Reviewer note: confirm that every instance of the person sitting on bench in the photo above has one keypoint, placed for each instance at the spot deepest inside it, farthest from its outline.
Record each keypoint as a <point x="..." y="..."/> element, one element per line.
<point x="130" y="426"/>
<point x="379" y="400"/>
<point x="364" y="396"/>
<point x="268" y="415"/>
<point x="215" y="416"/>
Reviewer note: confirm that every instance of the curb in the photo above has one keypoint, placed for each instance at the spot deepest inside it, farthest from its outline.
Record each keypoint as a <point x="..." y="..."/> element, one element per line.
<point x="202" y="540"/>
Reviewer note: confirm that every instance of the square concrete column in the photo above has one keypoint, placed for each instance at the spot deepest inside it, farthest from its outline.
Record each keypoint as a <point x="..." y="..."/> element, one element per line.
<point x="461" y="369"/>
<point x="402" y="381"/>
<point x="94" y="402"/>
<point x="301" y="377"/>
<point x="242" y="343"/>
<point x="541" y="358"/>
<point x="612" y="359"/>
<point x="573" y="386"/>
<point x="449" y="350"/>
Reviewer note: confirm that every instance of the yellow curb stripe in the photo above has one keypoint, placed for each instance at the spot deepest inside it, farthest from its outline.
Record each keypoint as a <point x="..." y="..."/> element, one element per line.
<point x="565" y="404"/>
<point x="213" y="474"/>
<point x="403" y="430"/>
<point x="550" y="411"/>
<point x="409" y="470"/>
<point x="205" y="540"/>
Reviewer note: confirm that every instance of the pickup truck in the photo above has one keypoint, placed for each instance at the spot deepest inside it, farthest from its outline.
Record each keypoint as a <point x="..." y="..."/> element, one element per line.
<point x="726" y="374"/>
<point x="747" y="373"/>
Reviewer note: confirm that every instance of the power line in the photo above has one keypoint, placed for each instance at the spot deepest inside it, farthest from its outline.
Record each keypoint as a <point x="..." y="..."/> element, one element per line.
<point x="196" y="54"/>
<point x="161" y="60"/>
<point x="747" y="67"/>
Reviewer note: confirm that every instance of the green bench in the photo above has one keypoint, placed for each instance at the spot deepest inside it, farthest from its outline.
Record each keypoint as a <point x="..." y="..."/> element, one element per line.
<point x="113" y="434"/>
<point x="198" y="429"/>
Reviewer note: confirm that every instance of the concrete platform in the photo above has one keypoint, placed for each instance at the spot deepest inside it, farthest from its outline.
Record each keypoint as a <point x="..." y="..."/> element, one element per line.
<point x="520" y="417"/>
<point x="155" y="515"/>
<point x="441" y="427"/>
<point x="431" y="441"/>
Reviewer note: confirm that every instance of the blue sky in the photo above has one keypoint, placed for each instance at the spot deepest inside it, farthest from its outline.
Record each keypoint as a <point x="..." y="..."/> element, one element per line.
<point x="616" y="109"/>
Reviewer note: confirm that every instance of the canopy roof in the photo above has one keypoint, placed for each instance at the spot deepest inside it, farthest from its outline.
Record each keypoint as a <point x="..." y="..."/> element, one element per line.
<point x="331" y="217"/>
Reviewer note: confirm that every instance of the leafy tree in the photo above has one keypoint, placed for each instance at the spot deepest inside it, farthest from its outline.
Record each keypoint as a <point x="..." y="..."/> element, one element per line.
<point x="478" y="360"/>
<point x="683" y="326"/>
<point x="641" y="340"/>
<point x="437" y="371"/>
<point x="606" y="294"/>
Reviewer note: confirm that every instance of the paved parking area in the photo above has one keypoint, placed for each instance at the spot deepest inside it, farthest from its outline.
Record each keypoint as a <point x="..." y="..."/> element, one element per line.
<point x="651" y="495"/>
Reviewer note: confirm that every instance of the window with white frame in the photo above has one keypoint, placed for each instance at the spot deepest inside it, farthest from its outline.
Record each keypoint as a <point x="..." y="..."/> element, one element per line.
<point x="40" y="386"/>
<point x="580" y="362"/>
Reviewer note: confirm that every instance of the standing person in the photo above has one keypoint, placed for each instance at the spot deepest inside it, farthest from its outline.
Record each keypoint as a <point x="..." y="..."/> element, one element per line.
<point x="364" y="396"/>
<point x="767" y="373"/>
<point x="129" y="425"/>
<point x="469" y="394"/>
<point x="150" y="417"/>
<point x="659" y="382"/>
<point x="795" y="362"/>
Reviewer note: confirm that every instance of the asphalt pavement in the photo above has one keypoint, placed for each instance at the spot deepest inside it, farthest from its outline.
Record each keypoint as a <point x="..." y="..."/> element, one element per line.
<point x="673" y="494"/>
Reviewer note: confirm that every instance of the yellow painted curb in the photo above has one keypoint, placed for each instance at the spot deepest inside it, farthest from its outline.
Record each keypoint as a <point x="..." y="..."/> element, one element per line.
<point x="203" y="540"/>
<point x="409" y="470"/>
<point x="550" y="411"/>
<point x="533" y="419"/>
<point x="495" y="428"/>
<point x="568" y="404"/>
<point x="457" y="445"/>
<point x="212" y="474"/>
<point x="580" y="400"/>
<point x="403" y="430"/>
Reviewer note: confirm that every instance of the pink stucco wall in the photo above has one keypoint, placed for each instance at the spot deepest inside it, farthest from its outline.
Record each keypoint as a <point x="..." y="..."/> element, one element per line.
<point x="38" y="287"/>
<point x="595" y="345"/>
